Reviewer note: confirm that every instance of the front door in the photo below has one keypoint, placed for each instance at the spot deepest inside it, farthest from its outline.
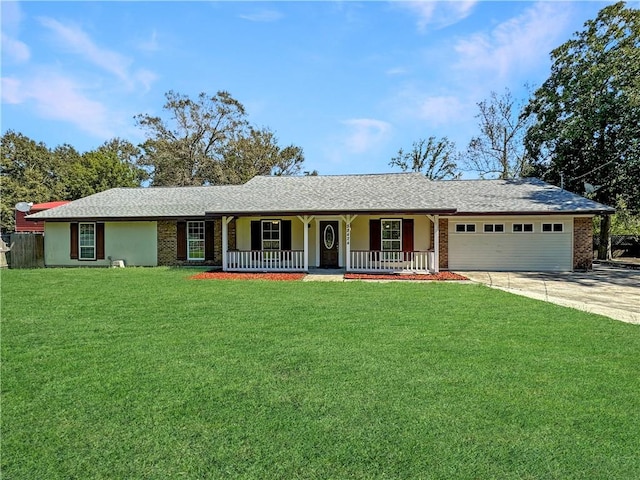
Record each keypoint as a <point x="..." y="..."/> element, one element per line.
<point x="329" y="244"/>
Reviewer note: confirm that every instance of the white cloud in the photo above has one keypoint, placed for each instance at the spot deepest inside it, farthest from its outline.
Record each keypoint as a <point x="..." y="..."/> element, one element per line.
<point x="433" y="106"/>
<point x="145" y="78"/>
<point x="441" y="110"/>
<point x="11" y="16"/>
<point x="14" y="49"/>
<point x="262" y="16"/>
<point x="519" y="44"/>
<point x="397" y="71"/>
<point x="439" y="14"/>
<point x="78" y="42"/>
<point x="60" y="98"/>
<point x="11" y="91"/>
<point x="365" y="134"/>
<point x="150" y="45"/>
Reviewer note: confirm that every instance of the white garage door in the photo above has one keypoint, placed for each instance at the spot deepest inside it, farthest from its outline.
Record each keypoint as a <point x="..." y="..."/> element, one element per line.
<point x="534" y="250"/>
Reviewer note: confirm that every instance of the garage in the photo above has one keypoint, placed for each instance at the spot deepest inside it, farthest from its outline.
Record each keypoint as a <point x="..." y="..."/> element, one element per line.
<point x="511" y="244"/>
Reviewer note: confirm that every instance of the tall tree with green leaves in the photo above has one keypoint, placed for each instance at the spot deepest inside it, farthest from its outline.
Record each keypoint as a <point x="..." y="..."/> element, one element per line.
<point x="187" y="148"/>
<point x="27" y="173"/>
<point x="209" y="141"/>
<point x="434" y="158"/>
<point x="498" y="151"/>
<point x="587" y="113"/>
<point x="257" y="153"/>
<point x="32" y="172"/>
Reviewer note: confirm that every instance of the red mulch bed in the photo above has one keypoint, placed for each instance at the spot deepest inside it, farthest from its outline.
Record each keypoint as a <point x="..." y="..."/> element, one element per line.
<point x="391" y="276"/>
<point x="248" y="276"/>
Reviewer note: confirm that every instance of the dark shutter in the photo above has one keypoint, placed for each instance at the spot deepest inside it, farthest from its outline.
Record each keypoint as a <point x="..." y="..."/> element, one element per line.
<point x="407" y="235"/>
<point x="256" y="235"/>
<point x="285" y="232"/>
<point x="100" y="241"/>
<point x="375" y="243"/>
<point x="74" y="241"/>
<point x="209" y="241"/>
<point x="181" y="239"/>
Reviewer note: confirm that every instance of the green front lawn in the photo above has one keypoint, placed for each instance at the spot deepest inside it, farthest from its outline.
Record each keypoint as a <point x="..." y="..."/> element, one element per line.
<point x="142" y="373"/>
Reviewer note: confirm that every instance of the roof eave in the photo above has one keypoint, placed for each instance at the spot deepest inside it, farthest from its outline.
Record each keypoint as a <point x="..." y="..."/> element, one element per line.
<point x="293" y="213"/>
<point x="600" y="211"/>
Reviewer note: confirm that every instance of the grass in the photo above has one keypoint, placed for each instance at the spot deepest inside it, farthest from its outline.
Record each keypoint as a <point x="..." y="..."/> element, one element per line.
<point x="141" y="373"/>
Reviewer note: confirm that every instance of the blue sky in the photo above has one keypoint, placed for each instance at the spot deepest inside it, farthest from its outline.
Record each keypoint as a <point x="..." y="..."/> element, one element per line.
<point x="349" y="82"/>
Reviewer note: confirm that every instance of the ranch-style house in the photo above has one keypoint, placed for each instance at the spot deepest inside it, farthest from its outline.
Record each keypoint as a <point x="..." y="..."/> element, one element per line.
<point x="359" y="223"/>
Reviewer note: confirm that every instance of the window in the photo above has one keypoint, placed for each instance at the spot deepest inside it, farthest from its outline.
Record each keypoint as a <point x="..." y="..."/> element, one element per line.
<point x="195" y="240"/>
<point x="493" y="228"/>
<point x="465" y="227"/>
<point x="391" y="235"/>
<point x="87" y="241"/>
<point x="552" y="227"/>
<point x="271" y="235"/>
<point x="523" y="227"/>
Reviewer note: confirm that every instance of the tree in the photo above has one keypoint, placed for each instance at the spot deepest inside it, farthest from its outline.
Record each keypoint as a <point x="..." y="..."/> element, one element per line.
<point x="258" y="153"/>
<point x="587" y="113"/>
<point x="96" y="171"/>
<point x="499" y="149"/>
<point x="26" y="174"/>
<point x="436" y="159"/>
<point x="128" y="154"/>
<point x="31" y="172"/>
<point x="186" y="150"/>
<point x="209" y="141"/>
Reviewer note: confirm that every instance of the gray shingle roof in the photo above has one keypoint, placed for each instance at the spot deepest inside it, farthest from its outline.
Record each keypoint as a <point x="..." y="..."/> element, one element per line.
<point x="404" y="192"/>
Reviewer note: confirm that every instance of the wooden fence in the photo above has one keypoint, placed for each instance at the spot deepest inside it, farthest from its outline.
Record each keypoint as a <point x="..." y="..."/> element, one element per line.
<point x="27" y="250"/>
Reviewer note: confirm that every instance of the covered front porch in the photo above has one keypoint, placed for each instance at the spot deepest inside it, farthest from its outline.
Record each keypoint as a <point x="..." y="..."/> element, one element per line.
<point x="355" y="243"/>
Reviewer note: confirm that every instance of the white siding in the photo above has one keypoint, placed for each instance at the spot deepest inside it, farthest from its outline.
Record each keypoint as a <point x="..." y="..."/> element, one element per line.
<point x="509" y="251"/>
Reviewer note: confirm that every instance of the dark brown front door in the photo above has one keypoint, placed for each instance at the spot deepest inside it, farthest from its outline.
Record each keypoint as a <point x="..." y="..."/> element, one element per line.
<point x="328" y="244"/>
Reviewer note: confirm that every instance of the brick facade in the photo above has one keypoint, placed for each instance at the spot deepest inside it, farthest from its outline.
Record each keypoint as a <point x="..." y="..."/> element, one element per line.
<point x="168" y="247"/>
<point x="443" y="238"/>
<point x="582" y="243"/>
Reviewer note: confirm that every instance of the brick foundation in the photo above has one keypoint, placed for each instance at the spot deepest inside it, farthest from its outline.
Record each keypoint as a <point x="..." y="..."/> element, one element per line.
<point x="582" y="243"/>
<point x="443" y="239"/>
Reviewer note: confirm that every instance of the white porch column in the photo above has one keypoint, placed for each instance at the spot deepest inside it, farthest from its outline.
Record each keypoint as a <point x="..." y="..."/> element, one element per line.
<point x="225" y="241"/>
<point x="306" y="223"/>
<point x="436" y="243"/>
<point x="347" y="220"/>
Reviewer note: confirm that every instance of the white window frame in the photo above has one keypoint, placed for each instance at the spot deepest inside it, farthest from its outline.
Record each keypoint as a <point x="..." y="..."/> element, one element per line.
<point x="493" y="228"/>
<point x="465" y="228"/>
<point x="196" y="240"/>
<point x="553" y="227"/>
<point x="87" y="246"/>
<point x="271" y="244"/>
<point x="522" y="228"/>
<point x="386" y="244"/>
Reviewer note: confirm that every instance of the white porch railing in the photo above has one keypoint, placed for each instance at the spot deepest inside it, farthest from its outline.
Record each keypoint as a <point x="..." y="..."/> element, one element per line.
<point x="265" y="260"/>
<point x="404" y="262"/>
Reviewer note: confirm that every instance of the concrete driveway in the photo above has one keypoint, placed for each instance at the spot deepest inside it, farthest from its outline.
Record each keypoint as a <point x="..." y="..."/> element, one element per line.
<point x="610" y="291"/>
